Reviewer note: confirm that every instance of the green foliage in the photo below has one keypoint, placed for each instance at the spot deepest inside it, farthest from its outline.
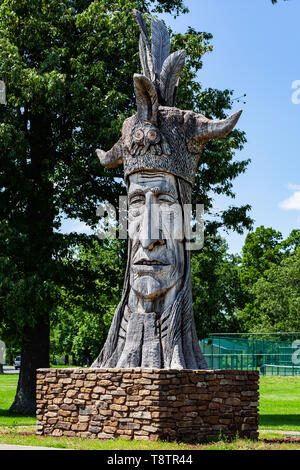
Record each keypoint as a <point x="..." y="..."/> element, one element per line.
<point x="270" y="280"/>
<point x="68" y="69"/>
<point x="262" y="248"/>
<point x="68" y="72"/>
<point x="277" y="295"/>
<point x="216" y="288"/>
<point x="89" y="299"/>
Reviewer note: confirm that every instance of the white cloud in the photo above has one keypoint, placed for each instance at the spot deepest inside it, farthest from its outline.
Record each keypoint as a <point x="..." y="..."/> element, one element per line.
<point x="293" y="202"/>
<point x="294" y="187"/>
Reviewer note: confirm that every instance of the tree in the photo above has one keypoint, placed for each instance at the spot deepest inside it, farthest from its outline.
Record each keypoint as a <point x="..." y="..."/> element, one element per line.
<point x="63" y="96"/>
<point x="89" y="298"/>
<point x="261" y="249"/>
<point x="277" y="296"/>
<point x="264" y="266"/>
<point x="68" y="69"/>
<point x="217" y="291"/>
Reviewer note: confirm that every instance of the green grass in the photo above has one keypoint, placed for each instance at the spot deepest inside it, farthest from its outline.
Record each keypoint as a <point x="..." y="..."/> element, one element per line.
<point x="8" y="386"/>
<point x="279" y="404"/>
<point x="54" y="366"/>
<point x="29" y="439"/>
<point x="279" y="410"/>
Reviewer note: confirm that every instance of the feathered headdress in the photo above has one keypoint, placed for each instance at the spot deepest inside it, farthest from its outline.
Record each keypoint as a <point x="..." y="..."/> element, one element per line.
<point x="160" y="136"/>
<point x="160" y="67"/>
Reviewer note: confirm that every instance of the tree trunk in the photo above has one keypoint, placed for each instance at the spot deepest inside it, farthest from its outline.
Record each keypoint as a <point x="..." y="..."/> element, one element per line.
<point x="34" y="355"/>
<point x="39" y="216"/>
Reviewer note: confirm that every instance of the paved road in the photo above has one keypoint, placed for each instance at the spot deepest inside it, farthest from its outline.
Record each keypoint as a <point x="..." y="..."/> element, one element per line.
<point x="14" y="447"/>
<point x="285" y="433"/>
<point x="10" y="370"/>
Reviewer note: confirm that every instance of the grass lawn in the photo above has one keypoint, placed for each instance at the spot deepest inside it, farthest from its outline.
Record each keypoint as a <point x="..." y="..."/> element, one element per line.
<point x="28" y="438"/>
<point x="279" y="410"/>
<point x="279" y="404"/>
<point x="8" y="386"/>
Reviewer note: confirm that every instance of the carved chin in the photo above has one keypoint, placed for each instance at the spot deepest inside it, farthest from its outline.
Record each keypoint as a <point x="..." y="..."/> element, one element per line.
<point x="149" y="287"/>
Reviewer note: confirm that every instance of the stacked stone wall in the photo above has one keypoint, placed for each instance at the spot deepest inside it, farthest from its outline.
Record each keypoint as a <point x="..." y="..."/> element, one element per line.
<point x="147" y="404"/>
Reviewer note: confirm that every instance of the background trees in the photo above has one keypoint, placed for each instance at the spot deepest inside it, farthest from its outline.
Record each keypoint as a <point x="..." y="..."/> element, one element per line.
<point x="217" y="290"/>
<point x="89" y="298"/>
<point x="68" y="69"/>
<point x="277" y="296"/>
<point x="270" y="278"/>
<point x="258" y="291"/>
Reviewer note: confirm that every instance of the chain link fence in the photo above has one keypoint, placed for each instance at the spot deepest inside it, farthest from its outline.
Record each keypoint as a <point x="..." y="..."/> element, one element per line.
<point x="270" y="353"/>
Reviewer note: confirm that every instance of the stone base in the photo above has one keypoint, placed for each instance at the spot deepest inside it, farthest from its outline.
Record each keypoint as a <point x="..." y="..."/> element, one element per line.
<point x="147" y="404"/>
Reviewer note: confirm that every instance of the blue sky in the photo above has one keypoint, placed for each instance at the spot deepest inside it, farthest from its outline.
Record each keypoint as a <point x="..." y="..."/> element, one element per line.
<point x="257" y="52"/>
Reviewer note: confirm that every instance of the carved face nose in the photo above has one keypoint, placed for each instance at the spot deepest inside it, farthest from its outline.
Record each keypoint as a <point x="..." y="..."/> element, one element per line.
<point x="150" y="233"/>
<point x="149" y="244"/>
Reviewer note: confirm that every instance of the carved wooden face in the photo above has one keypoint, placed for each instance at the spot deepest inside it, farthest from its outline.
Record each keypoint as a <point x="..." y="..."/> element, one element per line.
<point x="156" y="231"/>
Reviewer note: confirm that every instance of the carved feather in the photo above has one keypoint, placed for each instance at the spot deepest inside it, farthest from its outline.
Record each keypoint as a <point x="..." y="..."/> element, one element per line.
<point x="144" y="47"/>
<point x="146" y="98"/>
<point x="142" y="25"/>
<point x="160" y="44"/>
<point x="169" y="76"/>
<point x="143" y="57"/>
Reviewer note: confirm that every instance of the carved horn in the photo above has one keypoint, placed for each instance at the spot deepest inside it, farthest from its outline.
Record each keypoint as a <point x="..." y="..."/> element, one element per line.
<point x="113" y="157"/>
<point x="213" y="129"/>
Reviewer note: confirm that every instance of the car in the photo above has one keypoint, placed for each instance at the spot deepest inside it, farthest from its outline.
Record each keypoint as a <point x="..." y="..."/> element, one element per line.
<point x="18" y="362"/>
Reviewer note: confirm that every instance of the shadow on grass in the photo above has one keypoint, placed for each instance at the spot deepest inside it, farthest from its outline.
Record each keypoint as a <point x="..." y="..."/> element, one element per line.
<point x="279" y="420"/>
<point x="15" y="419"/>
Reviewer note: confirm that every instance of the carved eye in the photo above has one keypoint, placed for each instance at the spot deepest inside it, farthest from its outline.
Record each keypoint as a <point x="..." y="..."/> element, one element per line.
<point x="166" y="199"/>
<point x="139" y="135"/>
<point x="153" y="136"/>
<point x="137" y="200"/>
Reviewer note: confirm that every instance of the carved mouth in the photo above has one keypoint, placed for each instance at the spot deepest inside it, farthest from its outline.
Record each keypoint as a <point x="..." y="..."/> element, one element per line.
<point x="150" y="266"/>
<point x="150" y="262"/>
